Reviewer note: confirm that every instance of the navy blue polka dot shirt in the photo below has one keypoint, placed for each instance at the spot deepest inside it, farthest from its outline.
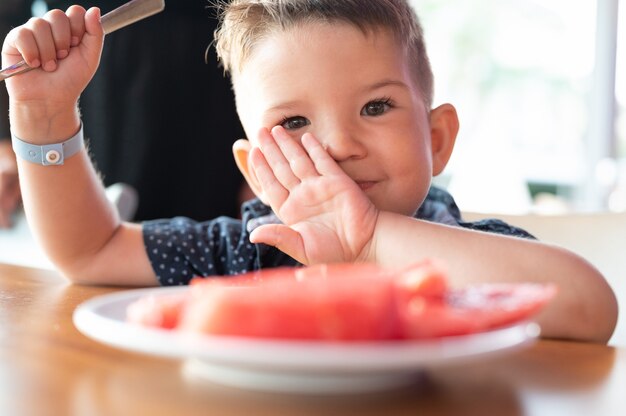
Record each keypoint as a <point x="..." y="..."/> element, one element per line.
<point x="181" y="248"/>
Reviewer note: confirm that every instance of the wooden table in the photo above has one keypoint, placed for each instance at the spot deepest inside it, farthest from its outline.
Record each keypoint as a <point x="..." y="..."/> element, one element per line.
<point x="48" y="368"/>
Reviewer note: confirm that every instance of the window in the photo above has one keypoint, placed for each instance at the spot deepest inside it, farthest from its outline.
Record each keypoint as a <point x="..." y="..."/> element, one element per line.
<point x="521" y="75"/>
<point x="617" y="200"/>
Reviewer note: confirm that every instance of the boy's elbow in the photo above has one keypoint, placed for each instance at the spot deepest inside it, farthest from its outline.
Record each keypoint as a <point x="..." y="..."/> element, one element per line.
<point x="101" y="264"/>
<point x="78" y="275"/>
<point x="83" y="269"/>
<point x="587" y="309"/>
<point x="601" y="307"/>
<point x="606" y="319"/>
<point x="600" y="326"/>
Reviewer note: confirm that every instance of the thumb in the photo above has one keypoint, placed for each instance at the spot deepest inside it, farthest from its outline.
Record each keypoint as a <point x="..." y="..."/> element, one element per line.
<point x="94" y="33"/>
<point x="283" y="238"/>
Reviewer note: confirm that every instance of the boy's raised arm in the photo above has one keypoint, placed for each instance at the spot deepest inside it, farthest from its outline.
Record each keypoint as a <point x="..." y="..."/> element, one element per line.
<point x="66" y="205"/>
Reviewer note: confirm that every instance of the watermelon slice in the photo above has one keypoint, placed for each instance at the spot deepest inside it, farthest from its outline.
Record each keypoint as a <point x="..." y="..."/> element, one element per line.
<point x="341" y="302"/>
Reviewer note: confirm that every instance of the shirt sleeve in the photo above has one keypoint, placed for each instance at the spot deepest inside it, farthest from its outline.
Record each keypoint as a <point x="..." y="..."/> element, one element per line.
<point x="180" y="249"/>
<point x="440" y="207"/>
<point x="496" y="226"/>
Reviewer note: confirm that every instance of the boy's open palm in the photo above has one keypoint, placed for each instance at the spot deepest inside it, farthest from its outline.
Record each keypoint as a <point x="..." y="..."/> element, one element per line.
<point x="326" y="216"/>
<point x="65" y="47"/>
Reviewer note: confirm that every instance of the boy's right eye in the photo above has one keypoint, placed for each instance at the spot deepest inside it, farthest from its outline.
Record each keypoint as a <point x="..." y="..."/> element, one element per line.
<point x="294" y="123"/>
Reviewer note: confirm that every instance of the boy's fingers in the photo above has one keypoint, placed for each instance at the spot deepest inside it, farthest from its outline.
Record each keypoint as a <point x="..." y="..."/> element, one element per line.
<point x="23" y="42"/>
<point x="94" y="34"/>
<point x="271" y="187"/>
<point x="283" y="238"/>
<point x="299" y="161"/>
<point x="76" y="15"/>
<point x="60" y="26"/>
<point x="93" y="26"/>
<point x="276" y="160"/>
<point x="45" y="42"/>
<point x="324" y="163"/>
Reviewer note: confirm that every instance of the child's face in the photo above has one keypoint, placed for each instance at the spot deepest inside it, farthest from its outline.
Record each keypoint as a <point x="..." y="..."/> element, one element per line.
<point x="356" y="94"/>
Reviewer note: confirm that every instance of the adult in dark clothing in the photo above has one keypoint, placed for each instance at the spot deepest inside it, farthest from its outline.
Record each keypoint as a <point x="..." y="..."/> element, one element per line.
<point x="157" y="116"/>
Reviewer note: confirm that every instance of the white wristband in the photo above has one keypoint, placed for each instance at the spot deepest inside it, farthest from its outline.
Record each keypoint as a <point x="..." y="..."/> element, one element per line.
<point x="49" y="154"/>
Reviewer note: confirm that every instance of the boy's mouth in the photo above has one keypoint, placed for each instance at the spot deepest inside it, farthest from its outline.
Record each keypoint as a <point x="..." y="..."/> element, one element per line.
<point x="365" y="185"/>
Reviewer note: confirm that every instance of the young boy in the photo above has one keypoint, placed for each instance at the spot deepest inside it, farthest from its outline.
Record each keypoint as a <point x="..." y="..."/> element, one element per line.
<point x="336" y="98"/>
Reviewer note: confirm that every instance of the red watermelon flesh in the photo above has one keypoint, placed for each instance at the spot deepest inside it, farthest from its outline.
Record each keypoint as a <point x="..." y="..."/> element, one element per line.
<point x="341" y="302"/>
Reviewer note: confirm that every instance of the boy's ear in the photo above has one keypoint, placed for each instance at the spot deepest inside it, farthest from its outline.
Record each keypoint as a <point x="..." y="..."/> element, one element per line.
<point x="444" y="126"/>
<point x="241" y="151"/>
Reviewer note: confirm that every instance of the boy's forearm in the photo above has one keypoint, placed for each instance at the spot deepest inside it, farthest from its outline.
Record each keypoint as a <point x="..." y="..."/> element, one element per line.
<point x="585" y="301"/>
<point x="71" y="217"/>
<point x="66" y="205"/>
<point x="402" y="240"/>
<point x="43" y="124"/>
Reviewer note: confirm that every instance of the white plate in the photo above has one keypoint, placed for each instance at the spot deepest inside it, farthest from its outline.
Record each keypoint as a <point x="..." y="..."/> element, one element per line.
<point x="289" y="366"/>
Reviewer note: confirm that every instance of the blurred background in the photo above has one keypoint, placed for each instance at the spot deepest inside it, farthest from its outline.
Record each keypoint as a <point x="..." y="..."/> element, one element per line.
<point x="540" y="88"/>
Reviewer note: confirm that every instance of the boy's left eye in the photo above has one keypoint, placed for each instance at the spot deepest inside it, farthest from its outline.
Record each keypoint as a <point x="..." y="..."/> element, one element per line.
<point x="294" y="123"/>
<point x="376" y="107"/>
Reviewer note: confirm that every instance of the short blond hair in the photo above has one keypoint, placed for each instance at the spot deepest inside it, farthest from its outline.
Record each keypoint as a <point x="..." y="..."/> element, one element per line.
<point x="244" y="23"/>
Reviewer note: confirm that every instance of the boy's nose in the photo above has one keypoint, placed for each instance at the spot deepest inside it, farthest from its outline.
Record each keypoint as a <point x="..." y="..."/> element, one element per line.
<point x="343" y="145"/>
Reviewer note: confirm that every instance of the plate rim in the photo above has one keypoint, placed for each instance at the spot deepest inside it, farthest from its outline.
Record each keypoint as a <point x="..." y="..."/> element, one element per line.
<point x="286" y="355"/>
